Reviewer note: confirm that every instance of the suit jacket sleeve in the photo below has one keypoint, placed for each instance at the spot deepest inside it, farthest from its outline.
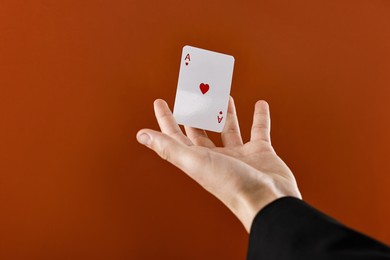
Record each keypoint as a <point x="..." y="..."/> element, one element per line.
<point x="289" y="228"/>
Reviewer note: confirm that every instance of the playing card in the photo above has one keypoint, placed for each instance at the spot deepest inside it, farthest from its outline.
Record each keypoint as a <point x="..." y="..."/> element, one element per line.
<point x="203" y="89"/>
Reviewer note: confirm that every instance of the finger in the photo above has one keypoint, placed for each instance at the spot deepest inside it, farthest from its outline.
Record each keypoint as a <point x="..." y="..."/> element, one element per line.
<point x="167" y="122"/>
<point x="261" y="127"/>
<point x="172" y="150"/>
<point x="199" y="137"/>
<point x="231" y="135"/>
<point x="207" y="168"/>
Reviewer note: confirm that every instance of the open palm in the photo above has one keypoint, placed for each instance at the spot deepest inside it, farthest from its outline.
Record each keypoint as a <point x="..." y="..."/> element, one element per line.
<point x="245" y="177"/>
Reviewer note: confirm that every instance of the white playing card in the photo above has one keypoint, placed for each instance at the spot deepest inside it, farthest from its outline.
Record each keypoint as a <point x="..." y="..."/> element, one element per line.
<point x="203" y="89"/>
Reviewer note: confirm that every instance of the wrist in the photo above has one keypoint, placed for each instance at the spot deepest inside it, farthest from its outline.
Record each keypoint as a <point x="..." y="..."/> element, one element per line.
<point x="252" y="201"/>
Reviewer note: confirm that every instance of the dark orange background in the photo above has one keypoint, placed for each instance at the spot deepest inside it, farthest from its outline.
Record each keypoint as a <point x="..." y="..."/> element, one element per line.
<point x="78" y="79"/>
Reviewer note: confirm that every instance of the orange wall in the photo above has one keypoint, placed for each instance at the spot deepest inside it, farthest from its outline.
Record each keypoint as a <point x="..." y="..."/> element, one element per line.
<point x="78" y="79"/>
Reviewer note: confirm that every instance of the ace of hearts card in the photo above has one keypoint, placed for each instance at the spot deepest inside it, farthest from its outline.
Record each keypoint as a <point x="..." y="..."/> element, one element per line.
<point x="203" y="89"/>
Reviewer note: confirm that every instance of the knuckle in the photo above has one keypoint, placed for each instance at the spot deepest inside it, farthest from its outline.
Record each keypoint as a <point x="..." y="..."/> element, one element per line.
<point x="176" y="134"/>
<point x="163" y="151"/>
<point x="199" y="139"/>
<point x="165" y="115"/>
<point x="164" y="154"/>
<point x="261" y="126"/>
<point x="229" y="130"/>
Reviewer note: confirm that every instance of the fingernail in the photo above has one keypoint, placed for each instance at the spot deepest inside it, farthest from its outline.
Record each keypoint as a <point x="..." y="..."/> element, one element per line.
<point x="144" y="139"/>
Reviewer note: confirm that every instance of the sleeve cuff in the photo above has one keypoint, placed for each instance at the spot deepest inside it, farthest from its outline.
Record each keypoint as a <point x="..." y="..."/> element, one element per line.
<point x="289" y="228"/>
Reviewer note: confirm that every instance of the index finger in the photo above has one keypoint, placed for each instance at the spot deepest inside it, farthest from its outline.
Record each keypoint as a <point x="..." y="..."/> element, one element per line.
<point x="167" y="122"/>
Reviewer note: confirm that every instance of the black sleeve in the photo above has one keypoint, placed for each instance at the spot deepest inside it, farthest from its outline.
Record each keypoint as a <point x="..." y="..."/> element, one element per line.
<point x="289" y="228"/>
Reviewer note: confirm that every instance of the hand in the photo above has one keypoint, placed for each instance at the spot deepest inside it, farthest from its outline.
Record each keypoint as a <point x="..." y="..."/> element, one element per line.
<point x="245" y="177"/>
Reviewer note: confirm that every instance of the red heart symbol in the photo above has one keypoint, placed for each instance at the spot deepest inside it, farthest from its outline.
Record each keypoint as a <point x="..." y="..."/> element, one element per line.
<point x="186" y="63"/>
<point x="204" y="88"/>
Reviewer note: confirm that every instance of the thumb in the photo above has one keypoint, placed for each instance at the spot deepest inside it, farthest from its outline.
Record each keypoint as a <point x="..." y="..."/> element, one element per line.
<point x="217" y="173"/>
<point x="168" y="148"/>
